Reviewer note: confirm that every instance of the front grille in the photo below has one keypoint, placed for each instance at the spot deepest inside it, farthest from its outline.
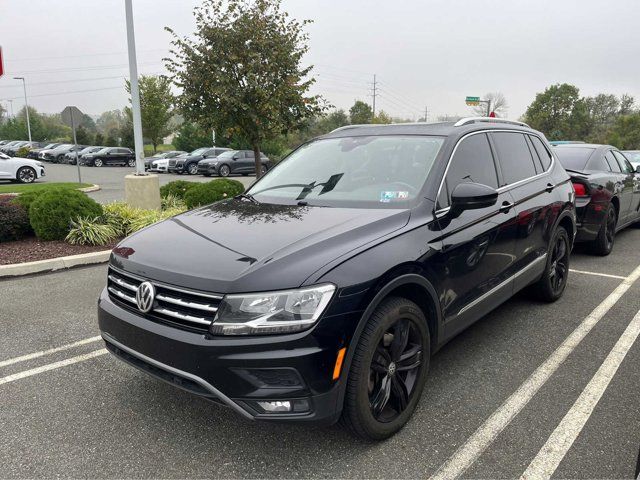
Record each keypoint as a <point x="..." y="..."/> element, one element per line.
<point x="172" y="163"/>
<point x="178" y="307"/>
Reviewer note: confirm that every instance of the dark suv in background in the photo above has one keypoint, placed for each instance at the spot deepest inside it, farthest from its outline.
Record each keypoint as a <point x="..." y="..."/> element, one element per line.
<point x="322" y="292"/>
<point x="189" y="163"/>
<point x="233" y="162"/>
<point x="110" y="156"/>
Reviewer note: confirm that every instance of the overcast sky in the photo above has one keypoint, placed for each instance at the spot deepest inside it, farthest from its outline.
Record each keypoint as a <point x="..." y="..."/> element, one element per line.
<point x="425" y="52"/>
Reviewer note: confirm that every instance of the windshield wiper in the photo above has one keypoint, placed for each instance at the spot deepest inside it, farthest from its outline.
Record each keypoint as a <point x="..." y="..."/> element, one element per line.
<point x="248" y="196"/>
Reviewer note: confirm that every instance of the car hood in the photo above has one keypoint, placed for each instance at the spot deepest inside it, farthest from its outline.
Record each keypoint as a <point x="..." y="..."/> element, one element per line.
<point x="239" y="246"/>
<point x="28" y="161"/>
<point x="192" y="157"/>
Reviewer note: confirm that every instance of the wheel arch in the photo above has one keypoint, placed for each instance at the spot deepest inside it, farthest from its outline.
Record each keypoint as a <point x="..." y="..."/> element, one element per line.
<point x="412" y="286"/>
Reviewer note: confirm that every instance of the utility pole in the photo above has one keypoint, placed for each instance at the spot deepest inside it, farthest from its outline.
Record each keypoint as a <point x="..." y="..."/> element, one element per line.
<point x="140" y="190"/>
<point x="375" y="93"/>
<point x="135" y="91"/>
<point x="11" y="106"/>
<point x="426" y="114"/>
<point x="26" y="104"/>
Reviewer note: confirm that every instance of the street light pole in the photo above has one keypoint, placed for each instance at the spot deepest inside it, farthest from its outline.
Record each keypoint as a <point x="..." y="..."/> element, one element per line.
<point x="135" y="91"/>
<point x="26" y="104"/>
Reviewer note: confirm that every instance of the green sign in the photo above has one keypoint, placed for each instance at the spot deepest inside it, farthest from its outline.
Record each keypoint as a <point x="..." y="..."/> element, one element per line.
<point x="473" y="99"/>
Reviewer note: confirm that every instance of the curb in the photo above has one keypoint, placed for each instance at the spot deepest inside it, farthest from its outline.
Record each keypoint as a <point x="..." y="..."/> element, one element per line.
<point x="53" y="264"/>
<point x="93" y="188"/>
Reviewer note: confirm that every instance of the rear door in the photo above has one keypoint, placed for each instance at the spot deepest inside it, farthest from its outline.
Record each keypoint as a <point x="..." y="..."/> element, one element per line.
<point x="523" y="174"/>
<point x="630" y="190"/>
<point x="478" y="246"/>
<point x="623" y="188"/>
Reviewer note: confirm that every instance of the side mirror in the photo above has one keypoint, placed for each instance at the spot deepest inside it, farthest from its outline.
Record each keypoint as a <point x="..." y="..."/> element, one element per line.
<point x="472" y="196"/>
<point x="638" y="168"/>
<point x="235" y="157"/>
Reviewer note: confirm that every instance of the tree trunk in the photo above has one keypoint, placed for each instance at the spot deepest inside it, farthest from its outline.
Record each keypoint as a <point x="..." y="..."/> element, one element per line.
<point x="256" y="154"/>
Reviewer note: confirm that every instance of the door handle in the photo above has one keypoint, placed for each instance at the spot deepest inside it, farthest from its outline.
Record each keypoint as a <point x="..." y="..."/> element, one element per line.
<point x="549" y="188"/>
<point x="506" y="206"/>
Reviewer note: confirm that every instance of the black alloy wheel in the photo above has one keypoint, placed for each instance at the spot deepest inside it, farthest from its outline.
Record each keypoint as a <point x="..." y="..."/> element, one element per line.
<point x="551" y="285"/>
<point x="603" y="244"/>
<point x="97" y="162"/>
<point x="388" y="370"/>
<point x="26" y="175"/>
<point x="132" y="162"/>
<point x="192" y="168"/>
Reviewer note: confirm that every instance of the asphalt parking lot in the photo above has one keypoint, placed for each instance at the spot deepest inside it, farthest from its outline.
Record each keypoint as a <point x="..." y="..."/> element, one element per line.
<point x="111" y="179"/>
<point x="528" y="388"/>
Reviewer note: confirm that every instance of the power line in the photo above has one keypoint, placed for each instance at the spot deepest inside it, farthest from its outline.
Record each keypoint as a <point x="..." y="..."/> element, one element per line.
<point x="55" y="82"/>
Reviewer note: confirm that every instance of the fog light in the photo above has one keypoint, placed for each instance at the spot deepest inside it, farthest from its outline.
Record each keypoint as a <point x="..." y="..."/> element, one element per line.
<point x="274" y="407"/>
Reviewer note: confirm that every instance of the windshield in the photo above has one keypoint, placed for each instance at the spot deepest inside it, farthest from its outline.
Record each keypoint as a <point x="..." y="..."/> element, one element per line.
<point x="573" y="158"/>
<point x="104" y="150"/>
<point x="199" y="151"/>
<point x="366" y="172"/>
<point x="62" y="147"/>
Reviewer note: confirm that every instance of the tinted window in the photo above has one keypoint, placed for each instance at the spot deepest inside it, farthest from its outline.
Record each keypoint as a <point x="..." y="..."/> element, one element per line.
<point x="633" y="156"/>
<point x="534" y="154"/>
<point x="472" y="162"/>
<point x="623" y="162"/>
<point x="573" y="158"/>
<point x="611" y="160"/>
<point x="248" y="154"/>
<point x="543" y="153"/>
<point x="515" y="157"/>
<point x="597" y="162"/>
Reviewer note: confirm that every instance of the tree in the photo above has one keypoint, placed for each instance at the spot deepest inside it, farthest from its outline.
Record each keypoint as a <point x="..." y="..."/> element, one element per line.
<point x="499" y="105"/>
<point x="382" y="117"/>
<point x="627" y="104"/>
<point x="625" y="133"/>
<point x="360" y="113"/>
<point x="559" y="113"/>
<point x="241" y="71"/>
<point x="109" y="121"/>
<point x="111" y="140"/>
<point x="156" y="107"/>
<point x="83" y="136"/>
<point x="99" y="139"/>
<point x="190" y="136"/>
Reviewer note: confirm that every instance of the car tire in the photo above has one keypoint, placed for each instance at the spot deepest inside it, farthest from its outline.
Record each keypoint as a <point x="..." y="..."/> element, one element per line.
<point x="132" y="162"/>
<point x="192" y="169"/>
<point x="26" y="175"/>
<point x="380" y="397"/>
<point x="224" y="170"/>
<point x="551" y="285"/>
<point x="263" y="170"/>
<point x="98" y="162"/>
<point x="603" y="244"/>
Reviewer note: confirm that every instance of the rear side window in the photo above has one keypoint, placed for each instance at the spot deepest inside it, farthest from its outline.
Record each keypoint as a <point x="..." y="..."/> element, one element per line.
<point x="472" y="162"/>
<point x="611" y="160"/>
<point x="514" y="155"/>
<point x="543" y="153"/>
<point x="623" y="162"/>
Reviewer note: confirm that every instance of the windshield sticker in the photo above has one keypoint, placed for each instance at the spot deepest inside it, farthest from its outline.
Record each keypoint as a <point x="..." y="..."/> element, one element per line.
<point x="386" y="197"/>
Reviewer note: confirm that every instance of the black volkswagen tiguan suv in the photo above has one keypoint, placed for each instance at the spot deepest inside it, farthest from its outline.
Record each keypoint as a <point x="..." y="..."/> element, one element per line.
<point x="321" y="293"/>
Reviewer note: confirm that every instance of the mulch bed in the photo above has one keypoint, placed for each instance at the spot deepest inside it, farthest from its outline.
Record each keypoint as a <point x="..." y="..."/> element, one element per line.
<point x="32" y="249"/>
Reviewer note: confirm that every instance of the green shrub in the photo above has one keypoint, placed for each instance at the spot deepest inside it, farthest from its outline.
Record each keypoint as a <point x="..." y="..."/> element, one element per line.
<point x="90" y="231"/>
<point x="119" y="216"/>
<point x="23" y="151"/>
<point x="177" y="188"/>
<point x="172" y="202"/>
<point x="27" y="198"/>
<point x="14" y="222"/>
<point x="149" y="217"/>
<point x="214" y="191"/>
<point x="51" y="213"/>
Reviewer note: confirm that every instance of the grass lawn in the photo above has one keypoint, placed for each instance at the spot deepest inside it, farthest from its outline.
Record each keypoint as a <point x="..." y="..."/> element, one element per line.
<point x="30" y="187"/>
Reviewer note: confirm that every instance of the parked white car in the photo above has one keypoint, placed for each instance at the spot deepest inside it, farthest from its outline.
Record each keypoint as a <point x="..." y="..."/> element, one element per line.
<point x="161" y="165"/>
<point x="22" y="170"/>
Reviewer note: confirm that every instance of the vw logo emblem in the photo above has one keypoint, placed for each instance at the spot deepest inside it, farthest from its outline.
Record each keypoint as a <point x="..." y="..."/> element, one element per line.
<point x="145" y="295"/>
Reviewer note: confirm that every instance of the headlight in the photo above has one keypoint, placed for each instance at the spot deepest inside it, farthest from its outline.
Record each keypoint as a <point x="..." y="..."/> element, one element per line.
<point x="271" y="312"/>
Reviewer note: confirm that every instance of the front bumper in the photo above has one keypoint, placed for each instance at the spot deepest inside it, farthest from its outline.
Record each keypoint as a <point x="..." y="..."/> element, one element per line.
<point x="237" y="372"/>
<point x="207" y="169"/>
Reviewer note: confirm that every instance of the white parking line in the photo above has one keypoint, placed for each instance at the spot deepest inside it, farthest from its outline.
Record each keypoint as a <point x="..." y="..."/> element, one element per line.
<point x="565" y="434"/>
<point x="52" y="366"/>
<point x="41" y="353"/>
<point x="597" y="274"/>
<point x="484" y="436"/>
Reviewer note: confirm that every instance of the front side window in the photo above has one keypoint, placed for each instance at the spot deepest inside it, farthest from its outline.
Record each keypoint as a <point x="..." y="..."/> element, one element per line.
<point x="471" y="162"/>
<point x="384" y="171"/>
<point x="515" y="157"/>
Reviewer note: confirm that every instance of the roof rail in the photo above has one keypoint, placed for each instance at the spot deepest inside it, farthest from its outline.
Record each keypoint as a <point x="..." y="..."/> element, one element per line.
<point x="468" y="120"/>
